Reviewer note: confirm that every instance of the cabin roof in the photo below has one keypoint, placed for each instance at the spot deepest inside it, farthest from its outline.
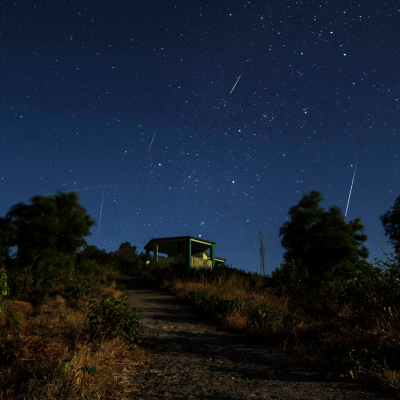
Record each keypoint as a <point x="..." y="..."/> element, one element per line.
<point x="176" y="239"/>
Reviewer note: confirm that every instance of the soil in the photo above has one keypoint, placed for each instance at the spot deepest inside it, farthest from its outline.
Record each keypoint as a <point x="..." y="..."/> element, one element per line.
<point x="192" y="358"/>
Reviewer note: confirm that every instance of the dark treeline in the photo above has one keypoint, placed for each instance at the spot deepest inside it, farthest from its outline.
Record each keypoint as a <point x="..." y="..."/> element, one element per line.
<point x="43" y="251"/>
<point x="64" y="325"/>
<point x="325" y="286"/>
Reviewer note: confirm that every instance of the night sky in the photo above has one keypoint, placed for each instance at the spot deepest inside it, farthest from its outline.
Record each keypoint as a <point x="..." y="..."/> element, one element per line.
<point x="137" y="96"/>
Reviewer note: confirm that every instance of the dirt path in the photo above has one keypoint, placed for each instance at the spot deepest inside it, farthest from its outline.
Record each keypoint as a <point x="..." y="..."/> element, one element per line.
<point x="190" y="358"/>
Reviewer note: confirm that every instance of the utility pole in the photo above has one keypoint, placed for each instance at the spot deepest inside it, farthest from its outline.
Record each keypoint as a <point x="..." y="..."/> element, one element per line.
<point x="263" y="265"/>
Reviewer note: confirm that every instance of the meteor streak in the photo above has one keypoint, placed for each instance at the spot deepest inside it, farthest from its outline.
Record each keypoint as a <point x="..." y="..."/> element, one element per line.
<point x="238" y="79"/>
<point x="351" y="188"/>
<point x="151" y="143"/>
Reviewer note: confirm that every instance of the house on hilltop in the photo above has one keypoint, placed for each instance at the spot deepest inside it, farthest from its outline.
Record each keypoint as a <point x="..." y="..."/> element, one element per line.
<point x="183" y="249"/>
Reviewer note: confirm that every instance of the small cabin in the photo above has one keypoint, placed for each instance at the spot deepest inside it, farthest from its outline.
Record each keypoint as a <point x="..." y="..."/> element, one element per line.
<point x="191" y="251"/>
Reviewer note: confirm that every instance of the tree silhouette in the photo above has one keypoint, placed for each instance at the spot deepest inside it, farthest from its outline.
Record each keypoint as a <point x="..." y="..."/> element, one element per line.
<point x="391" y="223"/>
<point x="323" y="241"/>
<point x="50" y="224"/>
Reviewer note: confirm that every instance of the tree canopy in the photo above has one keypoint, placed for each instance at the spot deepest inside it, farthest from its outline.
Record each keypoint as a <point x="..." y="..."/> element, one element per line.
<point x="322" y="240"/>
<point x="126" y="250"/>
<point x="391" y="223"/>
<point x="49" y="224"/>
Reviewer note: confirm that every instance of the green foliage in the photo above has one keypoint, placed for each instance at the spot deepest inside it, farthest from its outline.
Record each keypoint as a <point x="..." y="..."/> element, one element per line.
<point x="199" y="299"/>
<point x="20" y="281"/>
<point x="362" y="361"/>
<point x="4" y="289"/>
<point x="215" y="304"/>
<point x="44" y="236"/>
<point x="50" y="224"/>
<point x="126" y="250"/>
<point x="93" y="253"/>
<point x="292" y="276"/>
<point x="160" y="274"/>
<point x="325" y="243"/>
<point x="262" y="316"/>
<point x="10" y="320"/>
<point x="114" y="317"/>
<point x="391" y="223"/>
<point x="131" y="266"/>
<point x="76" y="291"/>
<point x="92" y="371"/>
<point x="5" y="235"/>
<point x="375" y="294"/>
<point x="52" y="271"/>
<point x="225" y="307"/>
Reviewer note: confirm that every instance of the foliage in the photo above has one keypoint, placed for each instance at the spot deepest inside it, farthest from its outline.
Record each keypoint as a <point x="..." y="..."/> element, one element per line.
<point x="93" y="253"/>
<point x="391" y="223"/>
<point x="114" y="317"/>
<point x="20" y="281"/>
<point x="10" y="319"/>
<point x="53" y="358"/>
<point x="263" y="316"/>
<point x="50" y="224"/>
<point x="52" y="271"/>
<point x="325" y="243"/>
<point x="76" y="291"/>
<point x="354" y="320"/>
<point x="39" y="241"/>
<point x="362" y="361"/>
<point x="4" y="289"/>
<point x="131" y="266"/>
<point x="375" y="294"/>
<point x="5" y="235"/>
<point x="216" y="304"/>
<point x="126" y="250"/>
<point x="292" y="276"/>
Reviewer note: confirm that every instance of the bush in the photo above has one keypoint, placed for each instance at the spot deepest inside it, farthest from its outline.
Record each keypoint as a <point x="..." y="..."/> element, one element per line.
<point x="131" y="266"/>
<point x="76" y="291"/>
<point x="199" y="299"/>
<point x="215" y="304"/>
<point x="4" y="290"/>
<point x="263" y="316"/>
<point x="10" y="319"/>
<point x="20" y="281"/>
<point x="224" y="307"/>
<point x="362" y="361"/>
<point x="114" y="317"/>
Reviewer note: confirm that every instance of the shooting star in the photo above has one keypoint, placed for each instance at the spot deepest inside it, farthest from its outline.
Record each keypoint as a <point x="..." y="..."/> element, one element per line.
<point x="101" y="210"/>
<point x="151" y="143"/>
<point x="238" y="79"/>
<point x="351" y="188"/>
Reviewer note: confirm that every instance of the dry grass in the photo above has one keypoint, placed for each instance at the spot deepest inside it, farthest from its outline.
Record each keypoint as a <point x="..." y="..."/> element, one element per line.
<point x="368" y="345"/>
<point x="52" y="357"/>
<point x="389" y="378"/>
<point x="232" y="288"/>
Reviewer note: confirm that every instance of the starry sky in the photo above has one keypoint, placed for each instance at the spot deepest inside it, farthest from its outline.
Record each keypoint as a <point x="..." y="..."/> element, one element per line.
<point x="130" y="103"/>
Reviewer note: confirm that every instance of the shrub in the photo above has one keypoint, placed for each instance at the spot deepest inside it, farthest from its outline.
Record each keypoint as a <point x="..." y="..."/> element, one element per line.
<point x="20" y="281"/>
<point x="224" y="307"/>
<point x="4" y="289"/>
<point x="216" y="304"/>
<point x="131" y="266"/>
<point x="114" y="317"/>
<point x="76" y="291"/>
<point x="201" y="300"/>
<point x="10" y="319"/>
<point x="362" y="361"/>
<point x="263" y="316"/>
